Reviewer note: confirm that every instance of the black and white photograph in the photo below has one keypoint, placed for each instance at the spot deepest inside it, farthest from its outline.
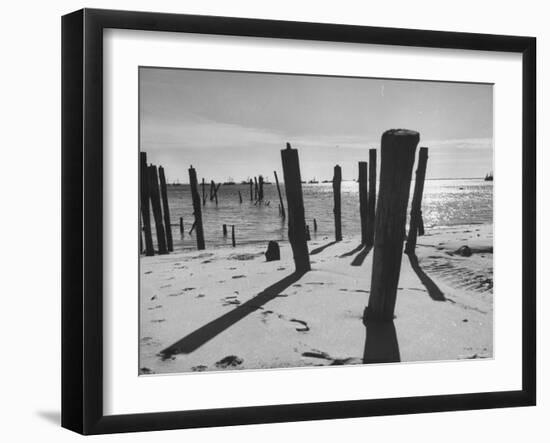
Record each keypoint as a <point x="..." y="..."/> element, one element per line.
<point x="291" y="221"/>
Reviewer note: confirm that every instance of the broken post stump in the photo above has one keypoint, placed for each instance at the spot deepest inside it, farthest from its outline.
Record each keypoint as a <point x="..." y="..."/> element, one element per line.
<point x="314" y="225"/>
<point x="240" y="198"/>
<point x="398" y="152"/>
<point x="281" y="204"/>
<point x="363" y="200"/>
<point x="166" y="210"/>
<point x="157" y="210"/>
<point x="224" y="230"/>
<point x="181" y="226"/>
<point x="273" y="251"/>
<point x="251" y="192"/>
<point x="196" y="208"/>
<point x="144" y="203"/>
<point x="295" y="206"/>
<point x="233" y="235"/>
<point x="216" y="192"/>
<point x="371" y="201"/>
<point x="416" y="205"/>
<point x="336" y="185"/>
<point x="255" y="188"/>
<point x="212" y="187"/>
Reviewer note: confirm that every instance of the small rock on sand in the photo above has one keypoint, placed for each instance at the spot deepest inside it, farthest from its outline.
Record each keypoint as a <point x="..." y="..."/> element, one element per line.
<point x="229" y="361"/>
<point x="464" y="251"/>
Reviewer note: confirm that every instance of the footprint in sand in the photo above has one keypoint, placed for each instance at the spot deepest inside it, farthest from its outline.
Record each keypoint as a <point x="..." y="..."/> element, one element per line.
<point x="304" y="327"/>
<point x="165" y="286"/>
<point x="145" y="371"/>
<point x="200" y="296"/>
<point x="148" y="272"/>
<point x="159" y="320"/>
<point x="199" y="368"/>
<point x="239" y="276"/>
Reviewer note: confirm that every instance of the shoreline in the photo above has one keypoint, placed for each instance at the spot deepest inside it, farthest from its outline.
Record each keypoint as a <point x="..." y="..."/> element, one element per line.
<point x="226" y="308"/>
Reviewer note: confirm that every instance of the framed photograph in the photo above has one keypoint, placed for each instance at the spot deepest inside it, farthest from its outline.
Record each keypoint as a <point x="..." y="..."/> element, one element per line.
<point x="268" y="221"/>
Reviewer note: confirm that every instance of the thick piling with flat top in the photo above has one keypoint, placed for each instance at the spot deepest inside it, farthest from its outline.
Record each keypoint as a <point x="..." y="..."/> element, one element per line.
<point x="398" y="152"/>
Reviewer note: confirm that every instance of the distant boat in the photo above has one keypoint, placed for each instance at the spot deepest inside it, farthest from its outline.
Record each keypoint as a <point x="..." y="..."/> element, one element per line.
<point x="229" y="181"/>
<point x="314" y="181"/>
<point x="326" y="181"/>
<point x="489" y="177"/>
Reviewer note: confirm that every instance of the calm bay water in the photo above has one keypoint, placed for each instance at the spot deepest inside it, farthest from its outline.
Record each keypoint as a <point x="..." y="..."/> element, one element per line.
<point x="445" y="203"/>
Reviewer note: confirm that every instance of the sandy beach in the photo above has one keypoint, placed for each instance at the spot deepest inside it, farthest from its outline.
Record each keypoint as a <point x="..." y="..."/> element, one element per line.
<point x="229" y="309"/>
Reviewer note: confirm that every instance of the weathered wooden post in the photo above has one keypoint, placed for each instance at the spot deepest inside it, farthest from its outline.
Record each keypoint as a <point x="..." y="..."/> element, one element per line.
<point x="181" y="226"/>
<point x="212" y="187"/>
<point x="336" y="184"/>
<point x="314" y="225"/>
<point x="371" y="201"/>
<point x="363" y="200"/>
<point x="233" y="235"/>
<point x="144" y="203"/>
<point x="203" y="192"/>
<point x="421" y="225"/>
<point x="398" y="151"/>
<point x="196" y="208"/>
<point x="240" y="198"/>
<point x="295" y="205"/>
<point x="416" y="205"/>
<point x="157" y="210"/>
<point x="251" y="193"/>
<point x="224" y="230"/>
<point x="308" y="235"/>
<point x="282" y="206"/>
<point x="216" y="192"/>
<point x="166" y="210"/>
<point x="255" y="188"/>
<point x="261" y="188"/>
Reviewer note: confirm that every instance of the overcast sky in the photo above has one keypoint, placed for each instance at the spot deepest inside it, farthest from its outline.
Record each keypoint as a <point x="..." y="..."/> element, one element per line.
<point x="234" y="124"/>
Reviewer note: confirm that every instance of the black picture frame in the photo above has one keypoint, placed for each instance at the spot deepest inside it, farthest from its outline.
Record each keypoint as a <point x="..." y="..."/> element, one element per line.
<point x="82" y="215"/>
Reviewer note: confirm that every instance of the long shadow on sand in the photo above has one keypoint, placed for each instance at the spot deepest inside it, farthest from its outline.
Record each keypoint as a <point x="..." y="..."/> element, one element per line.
<point x="207" y="332"/>
<point x="322" y="248"/>
<point x="360" y="258"/>
<point x="353" y="251"/>
<point x="381" y="343"/>
<point x="433" y="290"/>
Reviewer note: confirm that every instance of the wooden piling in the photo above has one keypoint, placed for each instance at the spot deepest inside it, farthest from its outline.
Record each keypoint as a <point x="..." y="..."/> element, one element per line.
<point x="166" y="210"/>
<point x="416" y="205"/>
<point x="240" y="198"/>
<point x="224" y="230"/>
<point x="261" y="188"/>
<point x="251" y="192"/>
<point x="233" y="235"/>
<point x="371" y="201"/>
<point x="203" y="192"/>
<point x="314" y="225"/>
<point x="212" y="187"/>
<point x="295" y="205"/>
<point x="181" y="226"/>
<point x="157" y="210"/>
<point x="255" y="189"/>
<point x="196" y="208"/>
<point x="363" y="200"/>
<point x="421" y="226"/>
<point x="216" y="192"/>
<point x="144" y="203"/>
<point x="282" y="206"/>
<point x="398" y="152"/>
<point x="308" y="235"/>
<point x="336" y="185"/>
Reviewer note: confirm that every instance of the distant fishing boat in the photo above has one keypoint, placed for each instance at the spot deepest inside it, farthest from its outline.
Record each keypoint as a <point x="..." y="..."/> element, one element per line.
<point x="489" y="177"/>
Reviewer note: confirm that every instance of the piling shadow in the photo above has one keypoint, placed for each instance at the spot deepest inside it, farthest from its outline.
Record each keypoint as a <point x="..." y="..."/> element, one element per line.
<point x="322" y="248"/>
<point x="381" y="343"/>
<point x="207" y="332"/>
<point x="360" y="258"/>
<point x="353" y="251"/>
<point x="433" y="290"/>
